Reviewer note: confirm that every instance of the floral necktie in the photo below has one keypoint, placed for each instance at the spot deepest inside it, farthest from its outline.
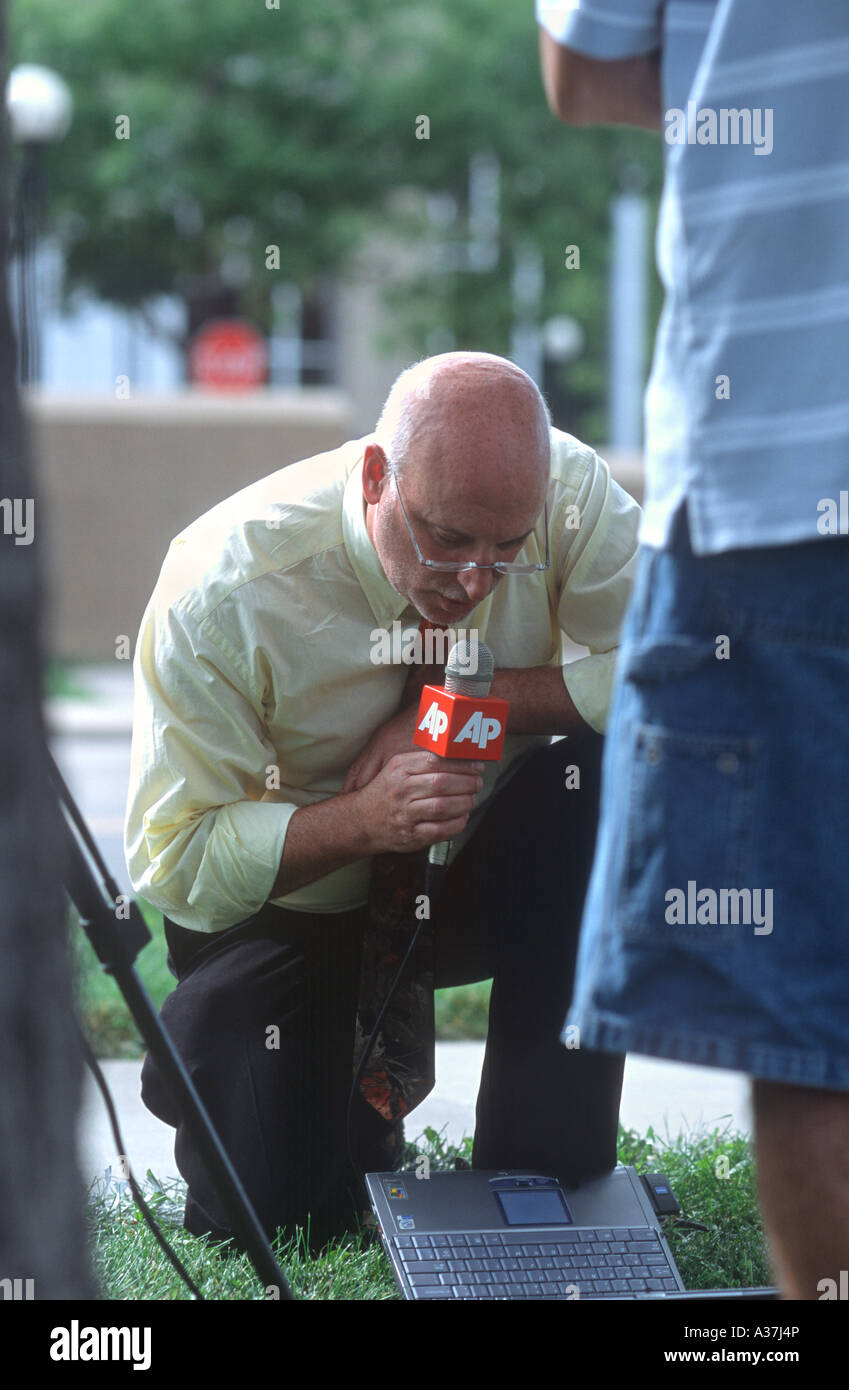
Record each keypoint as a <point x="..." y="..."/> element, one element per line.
<point x="400" y="1070"/>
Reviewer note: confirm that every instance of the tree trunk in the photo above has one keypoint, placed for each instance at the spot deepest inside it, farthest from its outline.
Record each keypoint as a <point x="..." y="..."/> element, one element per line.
<point x="42" y="1230"/>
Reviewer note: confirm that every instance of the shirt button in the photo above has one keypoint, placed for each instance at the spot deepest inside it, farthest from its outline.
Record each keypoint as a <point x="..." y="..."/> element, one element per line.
<point x="728" y="762"/>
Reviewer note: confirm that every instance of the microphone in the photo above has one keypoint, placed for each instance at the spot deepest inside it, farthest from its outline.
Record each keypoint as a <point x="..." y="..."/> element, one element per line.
<point x="461" y="719"/>
<point x="469" y="669"/>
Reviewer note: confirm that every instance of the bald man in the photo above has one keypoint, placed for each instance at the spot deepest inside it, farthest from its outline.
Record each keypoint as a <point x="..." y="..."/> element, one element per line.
<point x="273" y="759"/>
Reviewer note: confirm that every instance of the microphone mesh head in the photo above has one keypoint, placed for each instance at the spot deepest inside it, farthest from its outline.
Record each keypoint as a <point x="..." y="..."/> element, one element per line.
<point x="469" y="669"/>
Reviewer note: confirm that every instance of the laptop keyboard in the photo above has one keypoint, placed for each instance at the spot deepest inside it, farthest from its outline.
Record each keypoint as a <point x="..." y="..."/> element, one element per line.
<point x="603" y="1263"/>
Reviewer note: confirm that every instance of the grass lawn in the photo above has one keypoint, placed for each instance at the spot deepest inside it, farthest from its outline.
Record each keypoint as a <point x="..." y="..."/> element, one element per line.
<point x="59" y="678"/>
<point x="130" y="1265"/>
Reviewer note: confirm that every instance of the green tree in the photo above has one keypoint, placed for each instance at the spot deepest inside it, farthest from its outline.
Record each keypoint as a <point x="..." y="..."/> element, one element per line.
<point x="248" y="126"/>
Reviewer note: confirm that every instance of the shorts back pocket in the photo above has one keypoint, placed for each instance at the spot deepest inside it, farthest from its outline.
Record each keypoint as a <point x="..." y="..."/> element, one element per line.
<point x="689" y="829"/>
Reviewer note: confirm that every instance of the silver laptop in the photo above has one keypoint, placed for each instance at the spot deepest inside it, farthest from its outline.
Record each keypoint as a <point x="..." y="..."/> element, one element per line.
<point x="519" y="1234"/>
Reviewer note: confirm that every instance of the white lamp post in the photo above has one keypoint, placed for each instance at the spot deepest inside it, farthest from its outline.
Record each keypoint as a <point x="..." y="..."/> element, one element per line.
<point x="39" y="106"/>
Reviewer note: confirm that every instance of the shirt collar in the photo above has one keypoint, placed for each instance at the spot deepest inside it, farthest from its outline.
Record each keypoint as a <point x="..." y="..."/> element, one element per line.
<point x="385" y="602"/>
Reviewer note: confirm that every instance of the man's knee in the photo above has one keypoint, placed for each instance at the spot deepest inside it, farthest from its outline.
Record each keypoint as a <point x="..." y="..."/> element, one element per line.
<point x="156" y="1094"/>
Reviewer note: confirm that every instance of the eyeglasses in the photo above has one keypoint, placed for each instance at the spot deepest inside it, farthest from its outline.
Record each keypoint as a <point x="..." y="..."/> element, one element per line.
<point x="503" y="566"/>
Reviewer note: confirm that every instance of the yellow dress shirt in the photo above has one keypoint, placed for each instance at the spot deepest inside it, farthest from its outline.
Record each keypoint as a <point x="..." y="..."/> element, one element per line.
<point x="258" y="676"/>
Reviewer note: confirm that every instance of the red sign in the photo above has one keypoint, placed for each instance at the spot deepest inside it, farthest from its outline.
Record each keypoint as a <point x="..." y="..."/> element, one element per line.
<point x="461" y="726"/>
<point x="229" y="355"/>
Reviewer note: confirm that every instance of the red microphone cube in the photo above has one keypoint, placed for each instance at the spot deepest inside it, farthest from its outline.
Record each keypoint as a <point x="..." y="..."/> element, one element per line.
<point x="461" y="726"/>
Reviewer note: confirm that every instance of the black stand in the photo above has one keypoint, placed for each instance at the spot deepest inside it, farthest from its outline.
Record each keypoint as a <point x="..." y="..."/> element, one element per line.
<point x="116" y="949"/>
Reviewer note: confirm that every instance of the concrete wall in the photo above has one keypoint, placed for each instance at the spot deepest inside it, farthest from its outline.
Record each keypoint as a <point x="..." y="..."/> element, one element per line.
<point x="117" y="479"/>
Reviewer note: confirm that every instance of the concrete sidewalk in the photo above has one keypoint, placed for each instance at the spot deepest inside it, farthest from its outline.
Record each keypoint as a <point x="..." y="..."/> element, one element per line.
<point x="671" y="1097"/>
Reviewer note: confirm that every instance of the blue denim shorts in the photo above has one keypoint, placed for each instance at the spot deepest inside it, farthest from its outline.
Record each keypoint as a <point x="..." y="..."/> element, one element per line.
<point x="716" y="925"/>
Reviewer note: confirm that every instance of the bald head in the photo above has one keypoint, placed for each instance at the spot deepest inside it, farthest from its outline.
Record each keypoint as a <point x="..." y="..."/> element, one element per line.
<point x="467" y="435"/>
<point x="469" y="410"/>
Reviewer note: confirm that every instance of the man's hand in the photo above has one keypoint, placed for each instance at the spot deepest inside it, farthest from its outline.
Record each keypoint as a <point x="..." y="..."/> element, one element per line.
<point x="395" y="736"/>
<point x="418" y="799"/>
<point x="399" y="797"/>
<point x="539" y="704"/>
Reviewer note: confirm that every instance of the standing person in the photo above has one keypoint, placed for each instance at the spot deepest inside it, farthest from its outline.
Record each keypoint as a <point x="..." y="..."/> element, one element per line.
<point x="716" y="928"/>
<point x="273" y="768"/>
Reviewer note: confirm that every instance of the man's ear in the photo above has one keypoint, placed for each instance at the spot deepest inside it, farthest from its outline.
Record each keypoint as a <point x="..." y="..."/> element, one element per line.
<point x="375" y="473"/>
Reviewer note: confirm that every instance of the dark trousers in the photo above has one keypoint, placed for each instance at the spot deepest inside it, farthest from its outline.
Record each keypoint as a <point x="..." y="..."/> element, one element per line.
<point x="510" y="910"/>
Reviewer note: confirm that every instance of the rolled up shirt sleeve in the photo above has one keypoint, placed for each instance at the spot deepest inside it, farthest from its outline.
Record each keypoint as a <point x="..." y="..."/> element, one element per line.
<point x="203" y="842"/>
<point x="602" y="28"/>
<point x="597" y="575"/>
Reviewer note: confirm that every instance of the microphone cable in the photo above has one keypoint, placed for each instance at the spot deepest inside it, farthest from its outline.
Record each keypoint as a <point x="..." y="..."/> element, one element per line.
<point x="170" y="1254"/>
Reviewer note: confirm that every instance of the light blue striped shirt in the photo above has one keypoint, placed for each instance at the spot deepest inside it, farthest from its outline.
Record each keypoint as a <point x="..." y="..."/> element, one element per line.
<point x="747" y="409"/>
